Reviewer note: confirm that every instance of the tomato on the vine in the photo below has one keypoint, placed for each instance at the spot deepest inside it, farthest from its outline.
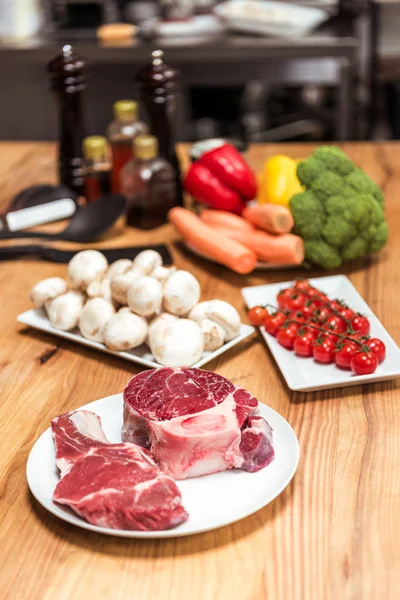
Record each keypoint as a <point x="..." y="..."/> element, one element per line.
<point x="283" y="296"/>
<point x="307" y="310"/>
<point x="273" y="322"/>
<point x="345" y="353"/>
<point x="322" y="313"/>
<point x="346" y="313"/>
<point x="324" y="351"/>
<point x="364" y="363"/>
<point x="296" y="302"/>
<point x="335" y="323"/>
<point x="302" y="285"/>
<point x="303" y="344"/>
<point x="297" y="316"/>
<point x="286" y="335"/>
<point x="257" y="315"/>
<point x="377" y="347"/>
<point x="360" y="325"/>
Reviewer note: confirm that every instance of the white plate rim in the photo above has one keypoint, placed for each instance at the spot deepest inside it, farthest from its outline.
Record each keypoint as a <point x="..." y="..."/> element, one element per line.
<point x="362" y="306"/>
<point x="30" y="317"/>
<point x="73" y="519"/>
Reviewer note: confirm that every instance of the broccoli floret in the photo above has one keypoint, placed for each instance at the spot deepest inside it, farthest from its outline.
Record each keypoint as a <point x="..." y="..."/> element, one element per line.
<point x="326" y="185"/>
<point x="334" y="160"/>
<point x="340" y="214"/>
<point x="322" y="254"/>
<point x="308" y="170"/>
<point x="302" y="206"/>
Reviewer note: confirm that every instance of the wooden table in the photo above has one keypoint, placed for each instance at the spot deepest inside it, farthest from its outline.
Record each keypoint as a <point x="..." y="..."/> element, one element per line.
<point x="334" y="532"/>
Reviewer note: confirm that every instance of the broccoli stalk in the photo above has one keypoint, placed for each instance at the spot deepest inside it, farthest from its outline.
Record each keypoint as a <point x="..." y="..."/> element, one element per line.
<point x="340" y="214"/>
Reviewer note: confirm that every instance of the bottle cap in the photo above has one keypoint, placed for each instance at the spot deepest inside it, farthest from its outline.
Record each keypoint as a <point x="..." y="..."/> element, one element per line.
<point x="94" y="146"/>
<point x="125" y="110"/>
<point x="145" y="147"/>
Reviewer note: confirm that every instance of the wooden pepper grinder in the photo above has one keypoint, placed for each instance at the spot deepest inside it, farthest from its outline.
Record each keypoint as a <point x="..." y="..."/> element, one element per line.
<point x="68" y="81"/>
<point x="159" y="90"/>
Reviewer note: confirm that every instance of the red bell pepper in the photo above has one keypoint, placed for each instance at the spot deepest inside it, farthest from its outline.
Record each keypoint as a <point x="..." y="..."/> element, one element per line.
<point x="221" y="179"/>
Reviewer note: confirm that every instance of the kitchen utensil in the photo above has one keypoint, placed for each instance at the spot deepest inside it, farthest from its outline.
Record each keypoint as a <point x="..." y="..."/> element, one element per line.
<point x="37" y="215"/>
<point x="86" y="225"/>
<point x="304" y="374"/>
<point x="212" y="501"/>
<point x="43" y="193"/>
<point x="64" y="256"/>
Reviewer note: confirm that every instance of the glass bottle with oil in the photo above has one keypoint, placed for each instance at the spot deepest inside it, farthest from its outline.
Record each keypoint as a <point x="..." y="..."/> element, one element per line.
<point x="96" y="167"/>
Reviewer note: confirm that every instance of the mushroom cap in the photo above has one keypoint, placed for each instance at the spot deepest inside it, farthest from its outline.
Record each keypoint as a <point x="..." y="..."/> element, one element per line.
<point x="162" y="273"/>
<point x="93" y="318"/>
<point x="64" y="311"/>
<point x="124" y="331"/>
<point x="178" y="343"/>
<point x="158" y="322"/>
<point x="148" y="260"/>
<point x="145" y="296"/>
<point x="220" y="312"/>
<point x="119" y="266"/>
<point x="214" y="335"/>
<point x="100" y="289"/>
<point x="85" y="267"/>
<point x="48" y="289"/>
<point x="119" y="284"/>
<point x="181" y="293"/>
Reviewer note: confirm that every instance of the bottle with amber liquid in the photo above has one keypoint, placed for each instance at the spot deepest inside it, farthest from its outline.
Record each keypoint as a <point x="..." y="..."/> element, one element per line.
<point x="120" y="133"/>
<point x="159" y="93"/>
<point x="148" y="183"/>
<point x="96" y="168"/>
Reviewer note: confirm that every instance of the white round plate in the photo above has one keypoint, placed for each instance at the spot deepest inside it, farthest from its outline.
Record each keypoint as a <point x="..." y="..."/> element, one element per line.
<point x="212" y="501"/>
<point x="260" y="266"/>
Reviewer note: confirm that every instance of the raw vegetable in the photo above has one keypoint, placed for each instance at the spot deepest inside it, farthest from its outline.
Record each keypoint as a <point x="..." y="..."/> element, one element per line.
<point x="205" y="240"/>
<point x="270" y="217"/>
<point x="222" y="218"/>
<point x="205" y="187"/>
<point x="278" y="180"/>
<point x="181" y="293"/>
<point x="47" y="290"/>
<point x="364" y="363"/>
<point x="85" y="267"/>
<point x="257" y="315"/>
<point x="285" y="249"/>
<point x="340" y="215"/>
<point x="94" y="317"/>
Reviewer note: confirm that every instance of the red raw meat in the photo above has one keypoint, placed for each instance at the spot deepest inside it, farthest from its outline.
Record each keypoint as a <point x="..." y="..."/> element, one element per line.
<point x="111" y="485"/>
<point x="195" y="422"/>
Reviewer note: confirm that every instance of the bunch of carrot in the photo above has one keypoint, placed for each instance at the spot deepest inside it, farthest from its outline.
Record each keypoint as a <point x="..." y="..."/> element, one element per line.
<point x="261" y="233"/>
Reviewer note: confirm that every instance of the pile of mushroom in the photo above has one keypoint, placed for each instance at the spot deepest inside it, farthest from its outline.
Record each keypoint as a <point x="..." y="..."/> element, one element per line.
<point x="130" y="303"/>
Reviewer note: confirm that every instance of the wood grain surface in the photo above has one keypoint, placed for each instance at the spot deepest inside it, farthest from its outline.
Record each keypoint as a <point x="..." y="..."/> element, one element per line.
<point x="333" y="534"/>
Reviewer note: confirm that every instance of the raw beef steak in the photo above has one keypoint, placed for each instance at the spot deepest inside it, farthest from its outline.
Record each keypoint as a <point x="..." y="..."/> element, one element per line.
<point x="195" y="422"/>
<point x="111" y="485"/>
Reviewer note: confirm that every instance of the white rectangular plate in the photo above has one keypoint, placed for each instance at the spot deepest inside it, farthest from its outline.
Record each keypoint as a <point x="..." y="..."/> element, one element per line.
<point x="37" y="319"/>
<point x="304" y="374"/>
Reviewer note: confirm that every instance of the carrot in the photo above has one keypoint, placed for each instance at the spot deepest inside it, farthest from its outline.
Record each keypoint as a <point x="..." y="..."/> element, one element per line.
<point x="270" y="217"/>
<point x="285" y="249"/>
<point x="223" y="218"/>
<point x="218" y="247"/>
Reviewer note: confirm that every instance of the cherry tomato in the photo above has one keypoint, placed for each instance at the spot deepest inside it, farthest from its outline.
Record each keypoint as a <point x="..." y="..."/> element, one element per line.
<point x="323" y="313"/>
<point x="335" y="323"/>
<point x="287" y="335"/>
<point x="364" y="363"/>
<point x="329" y="336"/>
<point x="324" y="351"/>
<point x="297" y="316"/>
<point x="377" y="347"/>
<point x="344" y="355"/>
<point x="360" y="325"/>
<point x="303" y="344"/>
<point x="283" y="296"/>
<point x="346" y="313"/>
<point x="302" y="285"/>
<point x="273" y="322"/>
<point x="296" y="302"/>
<point x="336" y="304"/>
<point x="307" y="310"/>
<point x="257" y="315"/>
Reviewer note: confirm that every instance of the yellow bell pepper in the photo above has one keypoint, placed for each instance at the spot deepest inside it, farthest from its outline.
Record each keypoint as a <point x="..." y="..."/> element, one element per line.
<point x="278" y="182"/>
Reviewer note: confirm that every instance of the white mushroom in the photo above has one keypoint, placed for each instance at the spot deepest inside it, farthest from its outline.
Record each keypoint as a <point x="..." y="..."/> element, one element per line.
<point x="120" y="283"/>
<point x="213" y="335"/>
<point x="157" y="322"/>
<point x="119" y="266"/>
<point x="145" y="296"/>
<point x="177" y="343"/>
<point x="64" y="311"/>
<point x="100" y="289"/>
<point x="94" y="317"/>
<point x="48" y="289"/>
<point x="220" y="312"/>
<point x="148" y="260"/>
<point x="124" y="331"/>
<point x="181" y="293"/>
<point x="162" y="273"/>
<point x="85" y="267"/>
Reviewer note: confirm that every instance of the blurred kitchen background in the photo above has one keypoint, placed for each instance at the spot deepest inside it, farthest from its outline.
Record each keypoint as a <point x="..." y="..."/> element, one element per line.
<point x="254" y="69"/>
